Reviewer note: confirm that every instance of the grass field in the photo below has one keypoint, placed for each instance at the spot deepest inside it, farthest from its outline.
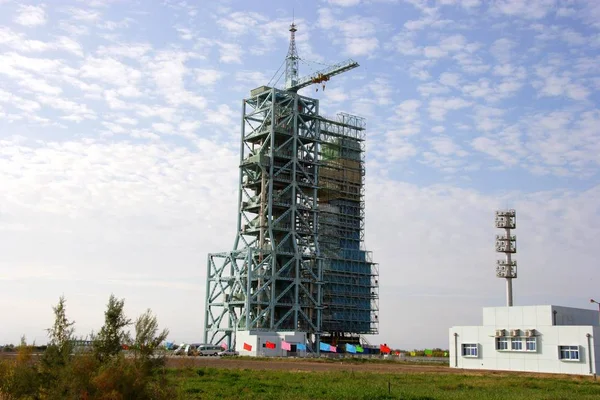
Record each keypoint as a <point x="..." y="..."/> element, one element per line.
<point x="209" y="383"/>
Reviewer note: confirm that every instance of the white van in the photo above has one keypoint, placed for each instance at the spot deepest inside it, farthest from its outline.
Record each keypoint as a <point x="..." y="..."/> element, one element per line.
<point x="209" y="350"/>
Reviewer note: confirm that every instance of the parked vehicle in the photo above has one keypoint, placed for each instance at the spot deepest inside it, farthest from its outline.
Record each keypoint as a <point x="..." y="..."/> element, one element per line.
<point x="229" y="352"/>
<point x="182" y="350"/>
<point x="208" y="350"/>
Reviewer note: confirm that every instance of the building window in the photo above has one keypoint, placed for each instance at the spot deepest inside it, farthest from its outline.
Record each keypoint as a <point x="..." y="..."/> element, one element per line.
<point x="501" y="343"/>
<point x="570" y="353"/>
<point x="516" y="344"/>
<point x="469" y="350"/>
<point x="531" y="344"/>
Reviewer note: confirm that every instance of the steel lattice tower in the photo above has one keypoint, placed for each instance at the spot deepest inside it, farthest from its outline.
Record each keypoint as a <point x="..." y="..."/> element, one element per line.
<point x="298" y="262"/>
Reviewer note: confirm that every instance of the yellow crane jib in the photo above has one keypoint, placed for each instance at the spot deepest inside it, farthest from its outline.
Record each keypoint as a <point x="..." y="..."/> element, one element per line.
<point x="323" y="75"/>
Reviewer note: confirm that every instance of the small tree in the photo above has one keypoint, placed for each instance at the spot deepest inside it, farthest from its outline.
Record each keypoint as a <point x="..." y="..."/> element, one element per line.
<point x="147" y="338"/>
<point x="61" y="333"/>
<point x="112" y="336"/>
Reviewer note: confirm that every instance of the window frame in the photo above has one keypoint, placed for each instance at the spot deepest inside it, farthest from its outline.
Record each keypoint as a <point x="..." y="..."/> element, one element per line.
<point x="515" y="341"/>
<point x="530" y="340"/>
<point x="471" y="347"/>
<point x="504" y="340"/>
<point x="569" y="350"/>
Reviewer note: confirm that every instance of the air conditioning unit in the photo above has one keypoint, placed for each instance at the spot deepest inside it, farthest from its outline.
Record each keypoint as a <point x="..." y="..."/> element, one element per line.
<point x="514" y="333"/>
<point x="499" y="332"/>
<point x="530" y="332"/>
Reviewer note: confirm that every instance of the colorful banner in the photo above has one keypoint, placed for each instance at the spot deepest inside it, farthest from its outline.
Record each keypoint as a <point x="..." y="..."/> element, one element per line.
<point x="359" y="349"/>
<point x="301" y="347"/>
<point x="324" y="347"/>
<point x="445" y="354"/>
<point x="247" y="347"/>
<point x="384" y="349"/>
<point x="286" y="346"/>
<point x="333" y="349"/>
<point x="350" y="348"/>
<point x="428" y="352"/>
<point x="412" y="353"/>
<point x="224" y="346"/>
<point x="270" y="345"/>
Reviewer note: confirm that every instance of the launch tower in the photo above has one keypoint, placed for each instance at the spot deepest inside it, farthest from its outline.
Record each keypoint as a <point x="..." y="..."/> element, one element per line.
<point x="298" y="262"/>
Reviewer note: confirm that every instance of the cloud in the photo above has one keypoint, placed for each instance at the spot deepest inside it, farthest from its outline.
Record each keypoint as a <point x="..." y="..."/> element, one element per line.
<point x="409" y="118"/>
<point x="450" y="79"/>
<point x="359" y="33"/>
<point x="168" y="70"/>
<point x="82" y="15"/>
<point x="230" y="53"/>
<point x="30" y="16"/>
<point x="554" y="83"/>
<point x="439" y="107"/>
<point x="125" y="50"/>
<point x="240" y="23"/>
<point x="207" y="77"/>
<point x="502" y="48"/>
<point x="561" y="143"/>
<point x="344" y="3"/>
<point x="17" y="41"/>
<point x="110" y="71"/>
<point x="532" y="9"/>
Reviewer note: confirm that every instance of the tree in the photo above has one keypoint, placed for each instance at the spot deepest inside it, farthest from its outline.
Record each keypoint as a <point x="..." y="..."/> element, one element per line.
<point x="62" y="331"/>
<point x="112" y="335"/>
<point x="57" y="353"/>
<point x="147" y="338"/>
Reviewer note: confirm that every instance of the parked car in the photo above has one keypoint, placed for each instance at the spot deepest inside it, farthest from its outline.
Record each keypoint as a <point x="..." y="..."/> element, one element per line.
<point x="207" y="350"/>
<point x="228" y="353"/>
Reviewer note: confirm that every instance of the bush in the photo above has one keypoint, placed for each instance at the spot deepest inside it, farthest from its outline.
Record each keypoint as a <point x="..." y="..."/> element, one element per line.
<point x="103" y="374"/>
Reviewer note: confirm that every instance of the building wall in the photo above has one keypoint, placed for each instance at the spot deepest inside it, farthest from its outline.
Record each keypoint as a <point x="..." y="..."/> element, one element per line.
<point x="548" y="339"/>
<point x="540" y="315"/>
<point x="258" y="340"/>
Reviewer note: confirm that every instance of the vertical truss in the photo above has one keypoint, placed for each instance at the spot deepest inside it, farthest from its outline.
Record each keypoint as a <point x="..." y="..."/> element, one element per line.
<point x="272" y="280"/>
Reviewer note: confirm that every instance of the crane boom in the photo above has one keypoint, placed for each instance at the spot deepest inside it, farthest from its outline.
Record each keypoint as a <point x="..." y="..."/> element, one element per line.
<point x="323" y="75"/>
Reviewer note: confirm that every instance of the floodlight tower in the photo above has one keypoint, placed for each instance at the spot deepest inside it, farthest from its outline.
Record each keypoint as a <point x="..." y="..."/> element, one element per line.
<point x="507" y="244"/>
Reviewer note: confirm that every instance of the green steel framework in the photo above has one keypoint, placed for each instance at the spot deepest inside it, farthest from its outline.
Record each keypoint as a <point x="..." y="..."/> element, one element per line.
<point x="277" y="278"/>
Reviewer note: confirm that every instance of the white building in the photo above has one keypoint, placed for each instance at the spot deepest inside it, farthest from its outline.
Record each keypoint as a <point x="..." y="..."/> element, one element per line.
<point x="529" y="338"/>
<point x="257" y="340"/>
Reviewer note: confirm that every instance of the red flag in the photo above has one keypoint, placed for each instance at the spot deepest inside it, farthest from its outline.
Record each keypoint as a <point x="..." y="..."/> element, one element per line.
<point x="384" y="349"/>
<point x="270" y="345"/>
<point x="247" y="347"/>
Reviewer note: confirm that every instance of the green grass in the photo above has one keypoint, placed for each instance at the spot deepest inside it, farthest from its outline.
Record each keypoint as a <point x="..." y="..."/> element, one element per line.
<point x="212" y="383"/>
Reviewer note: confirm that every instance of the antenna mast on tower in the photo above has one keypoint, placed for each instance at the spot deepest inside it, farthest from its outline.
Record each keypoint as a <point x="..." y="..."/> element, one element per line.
<point x="291" y="60"/>
<point x="507" y="244"/>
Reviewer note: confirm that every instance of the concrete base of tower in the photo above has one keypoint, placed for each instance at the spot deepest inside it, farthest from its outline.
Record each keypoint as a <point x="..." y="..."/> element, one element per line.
<point x="271" y="344"/>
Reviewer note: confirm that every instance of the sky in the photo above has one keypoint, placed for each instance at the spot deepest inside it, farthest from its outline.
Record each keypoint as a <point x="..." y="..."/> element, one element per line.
<point x="119" y="150"/>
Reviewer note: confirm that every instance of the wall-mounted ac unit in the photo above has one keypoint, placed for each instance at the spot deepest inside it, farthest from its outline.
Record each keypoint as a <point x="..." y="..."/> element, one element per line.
<point x="499" y="332"/>
<point x="530" y="332"/>
<point x="514" y="332"/>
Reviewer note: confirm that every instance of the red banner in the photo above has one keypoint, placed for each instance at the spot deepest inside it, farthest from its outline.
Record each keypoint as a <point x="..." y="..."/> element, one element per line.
<point x="384" y="349"/>
<point x="270" y="345"/>
<point x="247" y="347"/>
